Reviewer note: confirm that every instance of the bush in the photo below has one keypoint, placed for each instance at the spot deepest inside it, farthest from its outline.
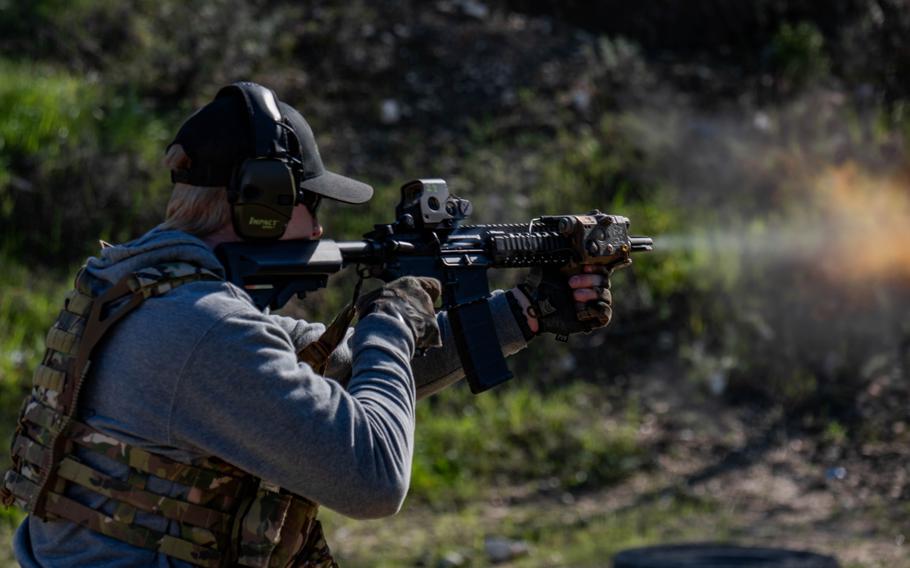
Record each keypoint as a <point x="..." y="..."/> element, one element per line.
<point x="77" y="160"/>
<point x="568" y="438"/>
<point x="797" y="55"/>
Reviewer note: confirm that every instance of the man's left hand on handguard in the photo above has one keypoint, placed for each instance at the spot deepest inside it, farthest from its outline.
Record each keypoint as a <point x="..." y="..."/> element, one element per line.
<point x="552" y="301"/>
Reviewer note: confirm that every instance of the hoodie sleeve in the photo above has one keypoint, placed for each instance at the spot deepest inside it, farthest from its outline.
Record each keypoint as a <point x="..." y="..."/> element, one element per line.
<point x="437" y="369"/>
<point x="244" y="398"/>
<point x="302" y="333"/>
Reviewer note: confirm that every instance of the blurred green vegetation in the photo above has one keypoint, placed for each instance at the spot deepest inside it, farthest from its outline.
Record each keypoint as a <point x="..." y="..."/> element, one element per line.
<point x="468" y="447"/>
<point x="704" y="129"/>
<point x="797" y="54"/>
<point x="65" y="140"/>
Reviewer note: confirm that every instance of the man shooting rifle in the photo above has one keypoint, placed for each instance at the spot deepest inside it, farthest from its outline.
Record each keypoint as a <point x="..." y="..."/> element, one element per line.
<point x="171" y="421"/>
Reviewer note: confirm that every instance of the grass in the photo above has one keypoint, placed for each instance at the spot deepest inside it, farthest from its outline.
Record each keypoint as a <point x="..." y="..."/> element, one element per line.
<point x="9" y="520"/>
<point x="586" y="532"/>
<point x="556" y="533"/>
<point x="467" y="446"/>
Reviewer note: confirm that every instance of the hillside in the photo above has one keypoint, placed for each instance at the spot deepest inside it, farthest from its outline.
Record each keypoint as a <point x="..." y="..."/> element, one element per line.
<point x="755" y="382"/>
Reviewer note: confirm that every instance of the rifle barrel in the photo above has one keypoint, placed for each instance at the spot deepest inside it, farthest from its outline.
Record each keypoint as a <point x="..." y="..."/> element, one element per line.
<point x="642" y="244"/>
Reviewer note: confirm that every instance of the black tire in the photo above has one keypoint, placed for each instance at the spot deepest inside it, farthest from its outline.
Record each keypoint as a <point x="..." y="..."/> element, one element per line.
<point x="719" y="556"/>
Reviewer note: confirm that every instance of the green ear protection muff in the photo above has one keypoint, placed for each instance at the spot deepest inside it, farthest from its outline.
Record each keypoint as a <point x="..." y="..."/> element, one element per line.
<point x="267" y="159"/>
<point x="263" y="188"/>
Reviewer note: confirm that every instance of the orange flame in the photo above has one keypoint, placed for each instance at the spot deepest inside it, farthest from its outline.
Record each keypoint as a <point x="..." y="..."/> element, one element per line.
<point x="867" y="225"/>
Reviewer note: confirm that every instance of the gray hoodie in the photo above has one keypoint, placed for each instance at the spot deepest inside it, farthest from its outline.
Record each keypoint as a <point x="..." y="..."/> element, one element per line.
<point x="201" y="372"/>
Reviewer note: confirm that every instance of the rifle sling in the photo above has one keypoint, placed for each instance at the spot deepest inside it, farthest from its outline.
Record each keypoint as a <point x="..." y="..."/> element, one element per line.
<point x="317" y="353"/>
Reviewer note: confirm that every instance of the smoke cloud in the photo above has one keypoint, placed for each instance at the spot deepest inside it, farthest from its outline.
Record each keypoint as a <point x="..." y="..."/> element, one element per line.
<point x="851" y="225"/>
<point x="796" y="217"/>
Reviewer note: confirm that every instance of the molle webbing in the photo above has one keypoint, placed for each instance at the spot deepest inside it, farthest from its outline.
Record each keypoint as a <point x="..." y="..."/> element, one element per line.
<point x="225" y="516"/>
<point x="47" y="435"/>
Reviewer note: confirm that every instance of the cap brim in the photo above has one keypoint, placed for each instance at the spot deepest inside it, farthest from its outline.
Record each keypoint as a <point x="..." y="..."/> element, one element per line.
<point x="339" y="188"/>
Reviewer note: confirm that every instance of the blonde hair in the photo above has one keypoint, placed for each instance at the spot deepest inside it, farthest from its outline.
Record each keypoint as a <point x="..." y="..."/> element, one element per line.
<point x="194" y="209"/>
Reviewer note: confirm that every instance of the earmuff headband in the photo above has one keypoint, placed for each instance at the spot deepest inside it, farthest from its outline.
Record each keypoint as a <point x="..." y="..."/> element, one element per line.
<point x="263" y="189"/>
<point x="264" y="117"/>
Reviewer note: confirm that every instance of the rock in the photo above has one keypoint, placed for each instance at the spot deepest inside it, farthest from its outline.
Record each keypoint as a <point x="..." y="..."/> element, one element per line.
<point x="475" y="9"/>
<point x="451" y="559"/>
<point x="503" y="549"/>
<point x="390" y="111"/>
<point x="836" y="473"/>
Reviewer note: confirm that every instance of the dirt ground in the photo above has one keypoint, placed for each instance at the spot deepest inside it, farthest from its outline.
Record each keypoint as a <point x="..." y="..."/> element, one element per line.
<point x="777" y="485"/>
<point x="719" y="473"/>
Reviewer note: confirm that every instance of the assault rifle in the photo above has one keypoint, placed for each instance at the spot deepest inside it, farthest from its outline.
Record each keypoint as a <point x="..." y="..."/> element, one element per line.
<point x="429" y="238"/>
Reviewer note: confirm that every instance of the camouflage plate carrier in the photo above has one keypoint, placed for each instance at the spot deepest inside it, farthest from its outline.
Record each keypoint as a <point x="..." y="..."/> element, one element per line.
<point x="229" y="517"/>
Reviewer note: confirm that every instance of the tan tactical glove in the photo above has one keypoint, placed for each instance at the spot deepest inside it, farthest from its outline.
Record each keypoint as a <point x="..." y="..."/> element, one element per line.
<point x="411" y="299"/>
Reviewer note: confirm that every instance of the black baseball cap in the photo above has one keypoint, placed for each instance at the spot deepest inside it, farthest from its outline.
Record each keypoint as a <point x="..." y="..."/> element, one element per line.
<point x="218" y="138"/>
